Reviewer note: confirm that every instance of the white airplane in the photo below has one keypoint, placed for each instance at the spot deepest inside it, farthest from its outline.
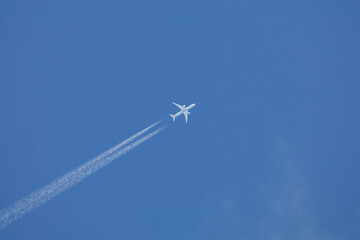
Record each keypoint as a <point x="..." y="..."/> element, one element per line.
<point x="183" y="110"/>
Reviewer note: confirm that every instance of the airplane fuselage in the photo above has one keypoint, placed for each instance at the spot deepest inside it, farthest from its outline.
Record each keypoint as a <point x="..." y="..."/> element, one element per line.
<point x="183" y="110"/>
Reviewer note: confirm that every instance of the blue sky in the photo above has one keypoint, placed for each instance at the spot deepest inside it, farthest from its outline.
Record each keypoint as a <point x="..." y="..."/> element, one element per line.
<point x="271" y="150"/>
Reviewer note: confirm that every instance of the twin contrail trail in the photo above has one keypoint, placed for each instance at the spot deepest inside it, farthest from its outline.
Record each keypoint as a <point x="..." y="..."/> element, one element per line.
<point x="46" y="193"/>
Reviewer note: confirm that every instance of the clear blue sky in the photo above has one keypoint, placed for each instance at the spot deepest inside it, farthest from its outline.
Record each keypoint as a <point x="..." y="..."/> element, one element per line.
<point x="271" y="150"/>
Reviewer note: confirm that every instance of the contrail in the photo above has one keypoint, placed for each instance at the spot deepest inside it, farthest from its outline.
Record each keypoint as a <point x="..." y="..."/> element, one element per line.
<point x="46" y="193"/>
<point x="123" y="143"/>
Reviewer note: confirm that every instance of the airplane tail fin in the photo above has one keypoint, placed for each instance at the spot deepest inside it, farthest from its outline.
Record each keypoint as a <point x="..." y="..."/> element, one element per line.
<point x="173" y="117"/>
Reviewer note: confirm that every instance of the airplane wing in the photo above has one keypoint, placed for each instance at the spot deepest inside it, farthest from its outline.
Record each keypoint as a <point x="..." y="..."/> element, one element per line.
<point x="186" y="116"/>
<point x="179" y="106"/>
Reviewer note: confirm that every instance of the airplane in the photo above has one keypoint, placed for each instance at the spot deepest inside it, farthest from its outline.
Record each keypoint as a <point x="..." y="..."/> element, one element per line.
<point x="183" y="110"/>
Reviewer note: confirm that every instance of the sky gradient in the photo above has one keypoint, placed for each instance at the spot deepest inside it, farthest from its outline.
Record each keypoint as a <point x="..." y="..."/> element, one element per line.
<point x="271" y="150"/>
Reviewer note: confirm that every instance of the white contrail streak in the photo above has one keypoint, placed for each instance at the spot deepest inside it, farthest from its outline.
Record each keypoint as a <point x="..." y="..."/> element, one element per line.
<point x="123" y="143"/>
<point x="46" y="193"/>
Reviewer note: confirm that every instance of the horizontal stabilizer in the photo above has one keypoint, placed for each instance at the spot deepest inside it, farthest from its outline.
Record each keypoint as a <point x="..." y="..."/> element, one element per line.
<point x="173" y="117"/>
